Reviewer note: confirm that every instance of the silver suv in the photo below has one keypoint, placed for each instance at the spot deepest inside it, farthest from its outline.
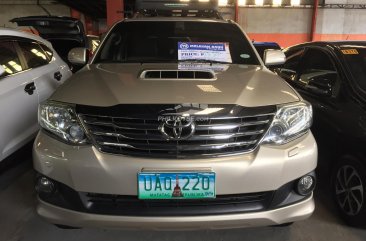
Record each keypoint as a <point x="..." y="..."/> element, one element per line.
<point x="175" y="124"/>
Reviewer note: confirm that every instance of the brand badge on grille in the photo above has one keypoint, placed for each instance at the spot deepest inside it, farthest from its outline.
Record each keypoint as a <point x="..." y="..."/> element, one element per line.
<point x="177" y="127"/>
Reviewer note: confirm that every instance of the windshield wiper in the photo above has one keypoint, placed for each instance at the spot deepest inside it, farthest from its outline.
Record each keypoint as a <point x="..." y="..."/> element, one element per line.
<point x="202" y="61"/>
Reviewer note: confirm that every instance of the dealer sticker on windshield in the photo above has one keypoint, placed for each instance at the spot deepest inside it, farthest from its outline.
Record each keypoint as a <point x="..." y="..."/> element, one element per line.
<point x="204" y="51"/>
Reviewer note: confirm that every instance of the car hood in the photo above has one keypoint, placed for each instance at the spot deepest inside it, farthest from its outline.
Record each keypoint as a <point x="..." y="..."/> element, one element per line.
<point x="112" y="84"/>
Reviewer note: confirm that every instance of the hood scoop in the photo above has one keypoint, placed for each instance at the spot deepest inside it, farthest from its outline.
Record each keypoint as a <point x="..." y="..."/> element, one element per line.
<point x="203" y="75"/>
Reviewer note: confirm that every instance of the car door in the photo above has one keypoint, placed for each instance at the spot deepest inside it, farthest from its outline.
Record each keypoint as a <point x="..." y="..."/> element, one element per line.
<point x="46" y="74"/>
<point x="315" y="71"/>
<point x="317" y="65"/>
<point x="291" y="67"/>
<point x="18" y="100"/>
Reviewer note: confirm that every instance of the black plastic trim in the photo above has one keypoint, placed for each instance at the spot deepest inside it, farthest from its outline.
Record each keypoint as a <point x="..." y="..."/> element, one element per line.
<point x="108" y="204"/>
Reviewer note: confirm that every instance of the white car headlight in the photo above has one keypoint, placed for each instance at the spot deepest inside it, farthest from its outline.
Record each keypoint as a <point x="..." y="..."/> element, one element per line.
<point x="61" y="120"/>
<point x="290" y="122"/>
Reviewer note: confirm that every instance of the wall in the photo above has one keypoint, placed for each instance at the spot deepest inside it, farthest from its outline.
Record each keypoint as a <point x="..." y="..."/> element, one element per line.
<point x="285" y="26"/>
<point x="290" y="26"/>
<point x="345" y="24"/>
<point x="20" y="8"/>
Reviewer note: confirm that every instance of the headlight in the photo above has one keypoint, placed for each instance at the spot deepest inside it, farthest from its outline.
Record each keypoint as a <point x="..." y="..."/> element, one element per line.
<point x="290" y="122"/>
<point x="61" y="120"/>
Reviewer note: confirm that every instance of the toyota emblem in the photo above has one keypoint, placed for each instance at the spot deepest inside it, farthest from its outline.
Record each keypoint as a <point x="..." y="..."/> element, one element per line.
<point x="177" y="127"/>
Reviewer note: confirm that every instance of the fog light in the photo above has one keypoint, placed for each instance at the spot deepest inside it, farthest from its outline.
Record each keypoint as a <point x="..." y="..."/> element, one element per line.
<point x="305" y="185"/>
<point x="45" y="185"/>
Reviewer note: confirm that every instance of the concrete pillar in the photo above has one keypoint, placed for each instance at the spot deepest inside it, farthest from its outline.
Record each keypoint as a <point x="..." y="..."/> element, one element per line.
<point x="115" y="10"/>
<point x="89" y="25"/>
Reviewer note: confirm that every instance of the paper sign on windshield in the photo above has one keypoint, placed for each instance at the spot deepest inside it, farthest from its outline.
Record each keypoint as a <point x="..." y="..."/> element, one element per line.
<point x="204" y="51"/>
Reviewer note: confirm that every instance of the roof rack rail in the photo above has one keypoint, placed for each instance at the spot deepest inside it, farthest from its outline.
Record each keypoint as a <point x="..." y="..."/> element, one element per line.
<point x="177" y="8"/>
<point x="212" y="14"/>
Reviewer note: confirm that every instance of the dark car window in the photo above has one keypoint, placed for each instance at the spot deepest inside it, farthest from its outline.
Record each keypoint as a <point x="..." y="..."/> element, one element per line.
<point x="356" y="60"/>
<point x="157" y="41"/>
<point x="315" y="63"/>
<point x="9" y="58"/>
<point x="33" y="54"/>
<point x="290" y="69"/>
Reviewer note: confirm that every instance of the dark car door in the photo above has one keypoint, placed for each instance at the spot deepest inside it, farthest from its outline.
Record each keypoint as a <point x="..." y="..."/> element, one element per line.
<point x="314" y="74"/>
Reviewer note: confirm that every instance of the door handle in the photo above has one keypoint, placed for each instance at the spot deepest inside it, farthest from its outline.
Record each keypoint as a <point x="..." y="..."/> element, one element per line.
<point x="30" y="88"/>
<point x="57" y="76"/>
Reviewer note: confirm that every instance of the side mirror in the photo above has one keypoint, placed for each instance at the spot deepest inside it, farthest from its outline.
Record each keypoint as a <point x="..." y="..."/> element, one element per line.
<point x="274" y="57"/>
<point x="322" y="84"/>
<point x="78" y="56"/>
<point x="2" y="70"/>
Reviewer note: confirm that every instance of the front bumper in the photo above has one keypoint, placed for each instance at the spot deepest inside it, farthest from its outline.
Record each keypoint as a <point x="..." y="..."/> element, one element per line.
<point x="57" y="215"/>
<point x="85" y="170"/>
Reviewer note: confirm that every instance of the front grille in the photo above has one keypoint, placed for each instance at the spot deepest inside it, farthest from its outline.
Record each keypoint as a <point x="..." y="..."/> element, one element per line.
<point x="131" y="205"/>
<point x="140" y="136"/>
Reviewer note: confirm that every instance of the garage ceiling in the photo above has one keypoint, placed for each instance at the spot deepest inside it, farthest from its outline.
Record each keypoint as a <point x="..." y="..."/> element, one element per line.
<point x="94" y="8"/>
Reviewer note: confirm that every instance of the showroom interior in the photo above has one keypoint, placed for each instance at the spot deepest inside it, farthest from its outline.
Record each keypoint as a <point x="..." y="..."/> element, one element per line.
<point x="112" y="109"/>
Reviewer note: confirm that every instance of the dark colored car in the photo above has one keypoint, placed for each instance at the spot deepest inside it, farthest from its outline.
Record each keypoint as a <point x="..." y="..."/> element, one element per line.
<point x="262" y="46"/>
<point x="65" y="33"/>
<point x="332" y="76"/>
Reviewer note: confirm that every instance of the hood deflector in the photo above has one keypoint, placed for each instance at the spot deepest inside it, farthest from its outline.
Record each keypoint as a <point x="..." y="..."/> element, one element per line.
<point x="177" y="75"/>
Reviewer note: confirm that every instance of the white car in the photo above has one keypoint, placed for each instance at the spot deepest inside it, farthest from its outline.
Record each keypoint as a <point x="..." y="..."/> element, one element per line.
<point x="30" y="71"/>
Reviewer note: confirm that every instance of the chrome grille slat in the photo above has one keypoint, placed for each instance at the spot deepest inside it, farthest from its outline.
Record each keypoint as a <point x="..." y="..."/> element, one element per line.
<point x="140" y="136"/>
<point x="155" y="137"/>
<point x="172" y="147"/>
<point x="230" y="126"/>
<point x="131" y="127"/>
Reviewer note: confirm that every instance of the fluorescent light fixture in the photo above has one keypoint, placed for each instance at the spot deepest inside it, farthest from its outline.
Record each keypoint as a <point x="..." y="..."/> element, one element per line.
<point x="39" y="54"/>
<point x="15" y="65"/>
<point x="277" y="2"/>
<point x="242" y="2"/>
<point x="184" y="0"/>
<point x="203" y="0"/>
<point x="7" y="70"/>
<point x="295" y="2"/>
<point x="223" y="2"/>
<point x="259" y="2"/>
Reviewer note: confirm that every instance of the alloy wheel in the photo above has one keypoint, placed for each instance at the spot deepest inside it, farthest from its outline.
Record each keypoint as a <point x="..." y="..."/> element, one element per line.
<point x="349" y="190"/>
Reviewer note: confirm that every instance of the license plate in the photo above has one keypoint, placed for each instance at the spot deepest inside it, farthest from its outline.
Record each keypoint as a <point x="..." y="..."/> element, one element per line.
<point x="183" y="185"/>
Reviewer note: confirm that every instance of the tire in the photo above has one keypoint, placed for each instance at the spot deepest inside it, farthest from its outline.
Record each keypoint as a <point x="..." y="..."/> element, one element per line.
<point x="348" y="186"/>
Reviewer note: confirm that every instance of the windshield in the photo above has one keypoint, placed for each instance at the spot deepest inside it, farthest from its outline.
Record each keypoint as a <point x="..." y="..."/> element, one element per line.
<point x="162" y="41"/>
<point x="355" y="57"/>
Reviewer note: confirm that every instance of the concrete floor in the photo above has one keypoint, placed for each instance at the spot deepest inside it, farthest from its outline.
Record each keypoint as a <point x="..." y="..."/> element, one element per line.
<point x="18" y="220"/>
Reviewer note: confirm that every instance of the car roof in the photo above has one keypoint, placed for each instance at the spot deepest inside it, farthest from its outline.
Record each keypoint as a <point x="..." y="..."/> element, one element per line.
<point x="175" y="19"/>
<point x="45" y="17"/>
<point x="23" y="34"/>
<point x="331" y="44"/>
<point x="265" y="43"/>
